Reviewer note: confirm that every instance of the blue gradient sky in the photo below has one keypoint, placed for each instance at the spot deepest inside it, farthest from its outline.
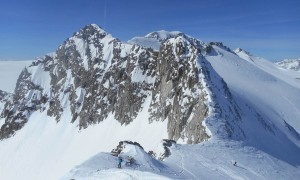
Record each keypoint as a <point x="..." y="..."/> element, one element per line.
<point x="266" y="28"/>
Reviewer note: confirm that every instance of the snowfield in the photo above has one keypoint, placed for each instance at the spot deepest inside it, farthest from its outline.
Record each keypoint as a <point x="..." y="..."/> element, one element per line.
<point x="209" y="160"/>
<point x="103" y="166"/>
<point x="261" y="84"/>
<point x="44" y="144"/>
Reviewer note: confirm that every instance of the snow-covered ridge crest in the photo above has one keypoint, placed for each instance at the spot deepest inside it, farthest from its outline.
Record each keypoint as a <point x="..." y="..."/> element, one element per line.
<point x="135" y="163"/>
<point x="238" y="50"/>
<point x="243" y="54"/>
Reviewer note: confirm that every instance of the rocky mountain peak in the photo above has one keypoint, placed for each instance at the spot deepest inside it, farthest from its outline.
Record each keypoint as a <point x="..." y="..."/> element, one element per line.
<point x="90" y="30"/>
<point x="93" y="75"/>
<point x="244" y="54"/>
<point x="220" y="45"/>
<point x="89" y="38"/>
<point x="240" y="50"/>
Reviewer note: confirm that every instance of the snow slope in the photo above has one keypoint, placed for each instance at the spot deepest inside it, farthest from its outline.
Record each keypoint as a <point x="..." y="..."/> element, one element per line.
<point x="9" y="73"/>
<point x="103" y="166"/>
<point x="275" y="101"/>
<point x="271" y="90"/>
<point x="213" y="159"/>
<point x="44" y="145"/>
<point x="275" y="69"/>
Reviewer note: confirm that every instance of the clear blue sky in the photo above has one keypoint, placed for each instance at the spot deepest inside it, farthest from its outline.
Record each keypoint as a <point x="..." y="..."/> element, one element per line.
<point x="266" y="28"/>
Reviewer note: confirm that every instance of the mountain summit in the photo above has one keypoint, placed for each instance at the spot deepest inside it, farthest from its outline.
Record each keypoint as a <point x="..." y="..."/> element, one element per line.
<point x="93" y="75"/>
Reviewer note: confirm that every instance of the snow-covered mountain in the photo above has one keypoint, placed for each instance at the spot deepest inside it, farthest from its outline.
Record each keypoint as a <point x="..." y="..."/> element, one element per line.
<point x="154" y="39"/>
<point x="9" y="73"/>
<point x="95" y="91"/>
<point x="93" y="75"/>
<point x="4" y="98"/>
<point x="208" y="160"/>
<point x="291" y="64"/>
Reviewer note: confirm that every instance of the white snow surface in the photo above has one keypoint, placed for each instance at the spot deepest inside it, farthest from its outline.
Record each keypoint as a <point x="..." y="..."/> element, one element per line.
<point x="262" y="84"/>
<point x="9" y="73"/>
<point x="275" y="69"/>
<point x="103" y="166"/>
<point x="213" y="159"/>
<point x="290" y="64"/>
<point x="44" y="149"/>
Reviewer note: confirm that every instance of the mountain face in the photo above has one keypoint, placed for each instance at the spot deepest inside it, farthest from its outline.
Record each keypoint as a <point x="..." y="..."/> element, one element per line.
<point x="96" y="91"/>
<point x="4" y="98"/>
<point x="94" y="75"/>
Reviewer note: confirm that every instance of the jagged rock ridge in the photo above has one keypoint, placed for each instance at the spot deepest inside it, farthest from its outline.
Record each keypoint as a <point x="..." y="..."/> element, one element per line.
<point x="93" y="74"/>
<point x="4" y="98"/>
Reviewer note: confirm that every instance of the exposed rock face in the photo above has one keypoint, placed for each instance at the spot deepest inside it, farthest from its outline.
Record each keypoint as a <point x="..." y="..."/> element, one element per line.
<point x="121" y="146"/>
<point x="179" y="92"/>
<point x="4" y="98"/>
<point x="28" y="97"/>
<point x="166" y="144"/>
<point x="93" y="75"/>
<point x="98" y="77"/>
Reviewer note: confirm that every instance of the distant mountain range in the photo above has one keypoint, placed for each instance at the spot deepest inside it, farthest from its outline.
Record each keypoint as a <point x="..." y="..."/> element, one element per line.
<point x="291" y="64"/>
